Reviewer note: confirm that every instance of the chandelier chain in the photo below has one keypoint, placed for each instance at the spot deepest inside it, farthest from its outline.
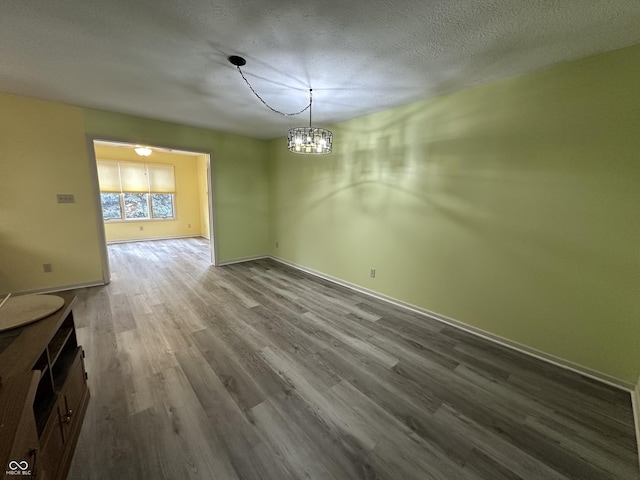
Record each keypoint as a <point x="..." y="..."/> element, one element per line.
<point x="265" y="103"/>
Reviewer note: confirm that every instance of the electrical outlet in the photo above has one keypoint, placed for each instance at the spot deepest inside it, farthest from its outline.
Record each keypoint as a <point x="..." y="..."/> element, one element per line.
<point x="189" y="225"/>
<point x="372" y="274"/>
<point x="141" y="228"/>
<point x="47" y="267"/>
<point x="277" y="245"/>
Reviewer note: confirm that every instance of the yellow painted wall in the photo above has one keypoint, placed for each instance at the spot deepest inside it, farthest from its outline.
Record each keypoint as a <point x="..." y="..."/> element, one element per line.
<point x="513" y="207"/>
<point x="43" y="153"/>
<point x="187" y="201"/>
<point x="203" y="195"/>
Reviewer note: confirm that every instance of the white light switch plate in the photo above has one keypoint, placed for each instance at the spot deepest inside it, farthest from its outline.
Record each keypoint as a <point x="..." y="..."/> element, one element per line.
<point x="66" y="198"/>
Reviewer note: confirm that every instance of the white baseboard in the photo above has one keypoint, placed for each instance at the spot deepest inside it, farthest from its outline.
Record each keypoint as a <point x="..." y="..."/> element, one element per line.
<point x="151" y="239"/>
<point x="560" y="362"/>
<point x="635" y="400"/>
<point x="57" y="288"/>
<point x="242" y="260"/>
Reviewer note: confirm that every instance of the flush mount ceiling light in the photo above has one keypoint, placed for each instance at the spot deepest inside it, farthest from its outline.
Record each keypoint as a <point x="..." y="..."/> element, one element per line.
<point x="143" y="151"/>
<point x="305" y="140"/>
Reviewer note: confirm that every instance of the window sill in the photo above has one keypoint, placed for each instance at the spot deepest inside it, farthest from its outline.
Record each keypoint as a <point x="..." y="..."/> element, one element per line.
<point x="141" y="220"/>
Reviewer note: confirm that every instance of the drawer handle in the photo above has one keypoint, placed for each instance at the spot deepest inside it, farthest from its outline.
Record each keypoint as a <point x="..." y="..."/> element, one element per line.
<point x="67" y="416"/>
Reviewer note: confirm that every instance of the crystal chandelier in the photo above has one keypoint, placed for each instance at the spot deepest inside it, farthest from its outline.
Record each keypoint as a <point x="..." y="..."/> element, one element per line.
<point x="310" y="140"/>
<point x="305" y="140"/>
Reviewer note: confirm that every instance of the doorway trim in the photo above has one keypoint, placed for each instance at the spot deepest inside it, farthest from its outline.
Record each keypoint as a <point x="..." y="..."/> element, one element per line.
<point x="93" y="171"/>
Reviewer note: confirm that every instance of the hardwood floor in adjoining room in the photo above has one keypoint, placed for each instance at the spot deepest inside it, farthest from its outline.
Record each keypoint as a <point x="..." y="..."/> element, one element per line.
<point x="259" y="371"/>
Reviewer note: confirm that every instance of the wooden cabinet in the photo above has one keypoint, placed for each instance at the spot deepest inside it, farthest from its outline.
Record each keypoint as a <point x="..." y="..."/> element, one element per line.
<point x="43" y="395"/>
<point x="25" y="444"/>
<point x="52" y="442"/>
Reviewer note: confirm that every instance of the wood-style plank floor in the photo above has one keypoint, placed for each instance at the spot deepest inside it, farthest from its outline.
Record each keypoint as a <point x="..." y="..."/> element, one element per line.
<point x="259" y="371"/>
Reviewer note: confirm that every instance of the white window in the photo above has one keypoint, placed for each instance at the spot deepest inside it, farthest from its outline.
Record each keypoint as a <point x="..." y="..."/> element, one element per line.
<point x="136" y="190"/>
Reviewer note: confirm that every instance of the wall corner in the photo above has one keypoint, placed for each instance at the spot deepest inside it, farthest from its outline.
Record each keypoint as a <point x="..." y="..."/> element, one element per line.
<point x="635" y="400"/>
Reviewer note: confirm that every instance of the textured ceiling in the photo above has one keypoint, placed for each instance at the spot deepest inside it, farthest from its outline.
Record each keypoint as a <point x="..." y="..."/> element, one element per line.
<point x="166" y="59"/>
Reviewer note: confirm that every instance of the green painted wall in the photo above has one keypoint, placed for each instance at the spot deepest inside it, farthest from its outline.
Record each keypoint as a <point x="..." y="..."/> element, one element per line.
<point x="513" y="207"/>
<point x="239" y="169"/>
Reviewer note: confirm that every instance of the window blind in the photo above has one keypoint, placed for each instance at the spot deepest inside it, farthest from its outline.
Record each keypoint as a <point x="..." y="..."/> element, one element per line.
<point x="161" y="178"/>
<point x="108" y="176"/>
<point x="135" y="177"/>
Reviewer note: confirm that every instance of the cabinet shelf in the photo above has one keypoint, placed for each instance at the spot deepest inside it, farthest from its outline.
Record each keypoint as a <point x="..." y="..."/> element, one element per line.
<point x="58" y="342"/>
<point x="61" y="368"/>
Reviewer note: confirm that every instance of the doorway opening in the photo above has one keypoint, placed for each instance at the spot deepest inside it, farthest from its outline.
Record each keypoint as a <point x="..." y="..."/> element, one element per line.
<point x="157" y="194"/>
